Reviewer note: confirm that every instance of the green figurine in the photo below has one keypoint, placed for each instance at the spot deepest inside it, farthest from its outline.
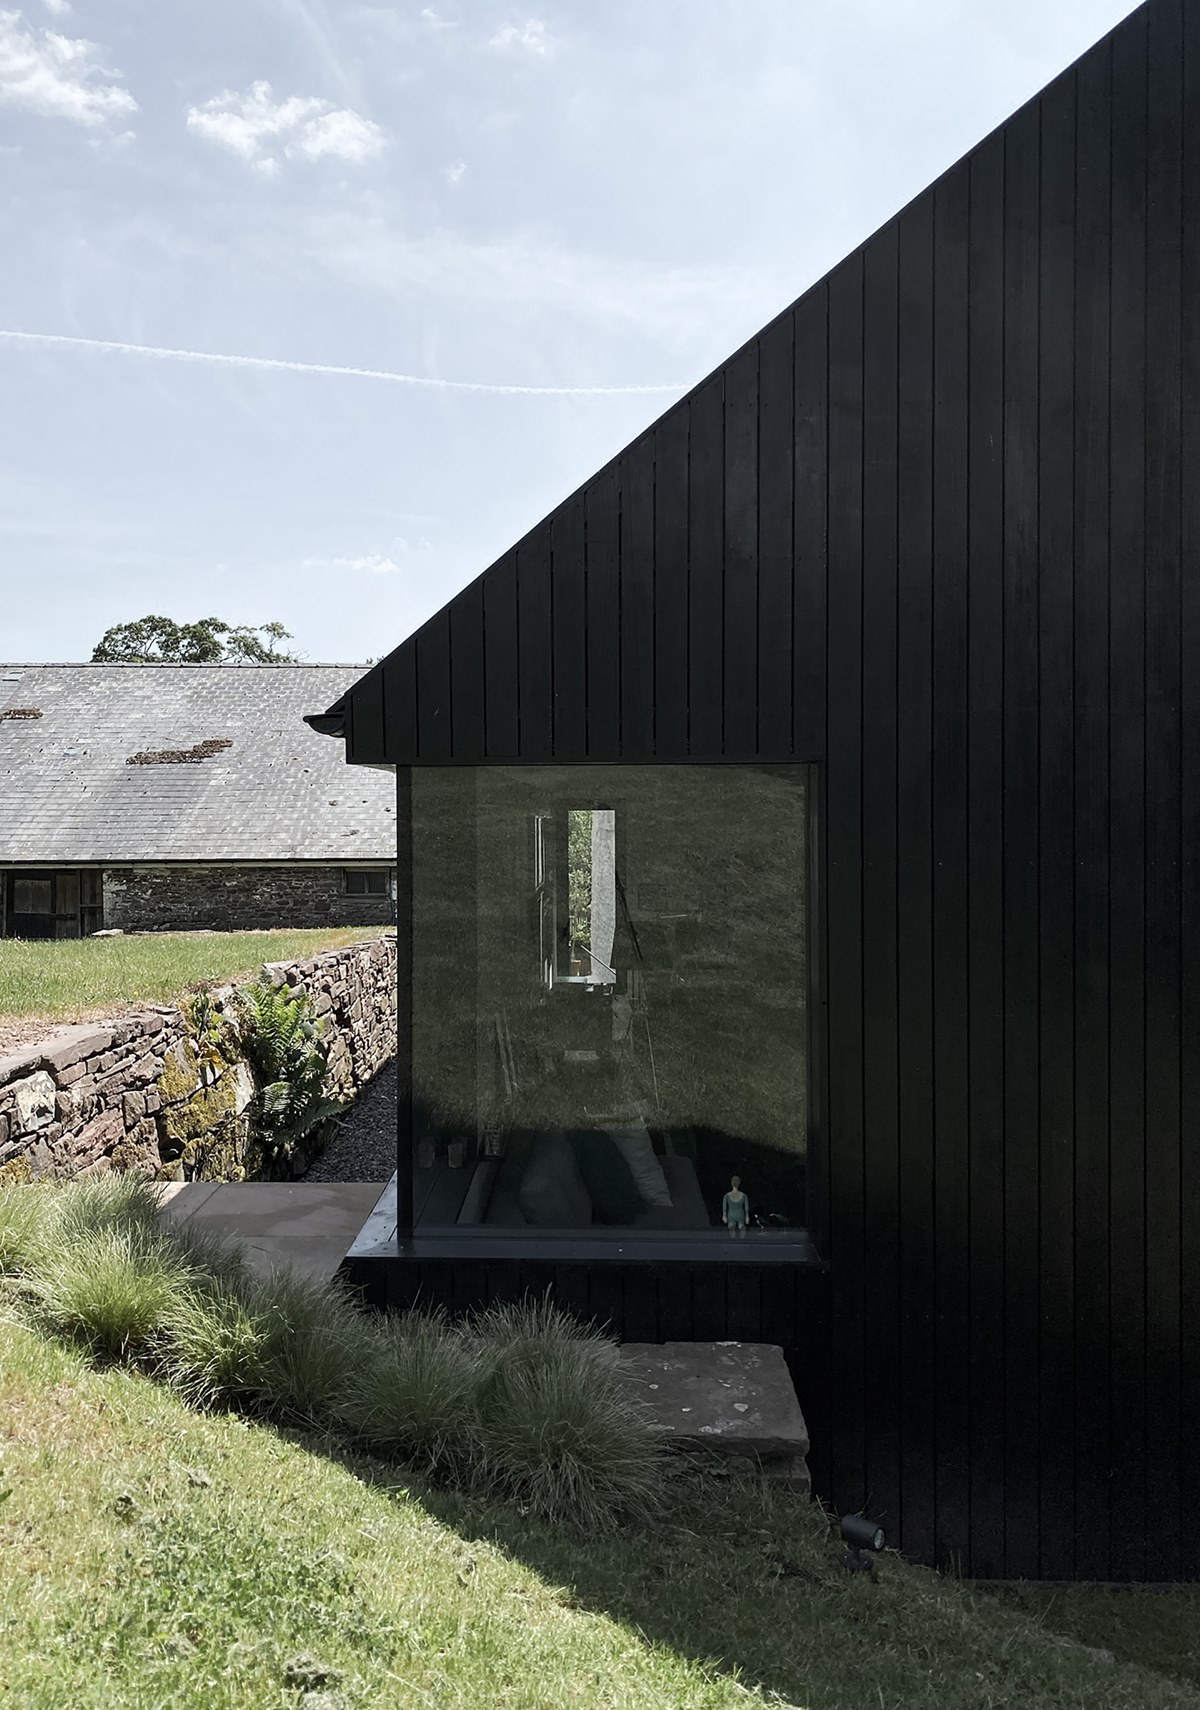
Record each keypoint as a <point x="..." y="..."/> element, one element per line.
<point x="735" y="1208"/>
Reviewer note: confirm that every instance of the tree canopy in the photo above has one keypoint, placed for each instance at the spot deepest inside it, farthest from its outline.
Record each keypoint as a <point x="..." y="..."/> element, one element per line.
<point x="160" y="641"/>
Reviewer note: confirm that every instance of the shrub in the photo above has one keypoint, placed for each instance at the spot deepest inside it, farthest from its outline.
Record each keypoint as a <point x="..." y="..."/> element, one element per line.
<point x="285" y="1341"/>
<point x="415" y="1392"/>
<point x="29" y="1215"/>
<point x="559" y="1430"/>
<point x="213" y="1258"/>
<point x="126" y="1203"/>
<point x="110" y="1288"/>
<point x="212" y="1341"/>
<point x="313" y="1339"/>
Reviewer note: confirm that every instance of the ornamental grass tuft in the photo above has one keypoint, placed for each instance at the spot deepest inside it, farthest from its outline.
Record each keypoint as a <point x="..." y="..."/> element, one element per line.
<point x="29" y="1215"/>
<point x="285" y="1342"/>
<point x="109" y="1288"/>
<point x="559" y="1431"/>
<point x="415" y="1393"/>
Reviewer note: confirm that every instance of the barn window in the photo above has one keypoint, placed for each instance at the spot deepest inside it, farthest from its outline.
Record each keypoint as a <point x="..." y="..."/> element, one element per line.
<point x="365" y="884"/>
<point x="610" y="1000"/>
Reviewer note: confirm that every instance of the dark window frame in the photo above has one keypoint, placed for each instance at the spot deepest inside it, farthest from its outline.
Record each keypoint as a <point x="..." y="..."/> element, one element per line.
<point x="366" y="889"/>
<point x="803" y="1246"/>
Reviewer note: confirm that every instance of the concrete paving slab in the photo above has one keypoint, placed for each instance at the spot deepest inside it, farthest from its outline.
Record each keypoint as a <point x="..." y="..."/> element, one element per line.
<point x="731" y="1398"/>
<point x="178" y="1200"/>
<point x="307" y="1225"/>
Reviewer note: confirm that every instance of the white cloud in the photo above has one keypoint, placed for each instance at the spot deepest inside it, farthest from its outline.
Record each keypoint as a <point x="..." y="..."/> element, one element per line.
<point x="260" y="129"/>
<point x="530" y="37"/>
<point x="436" y="21"/>
<point x="57" y="8"/>
<point x="369" y="563"/>
<point x="456" y="173"/>
<point x="56" y="76"/>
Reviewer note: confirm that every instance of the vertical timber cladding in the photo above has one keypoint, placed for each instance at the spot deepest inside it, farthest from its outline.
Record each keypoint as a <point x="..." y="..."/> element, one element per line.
<point x="929" y="530"/>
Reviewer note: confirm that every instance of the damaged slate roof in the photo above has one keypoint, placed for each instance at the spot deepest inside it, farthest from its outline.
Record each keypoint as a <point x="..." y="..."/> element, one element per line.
<point x="120" y="763"/>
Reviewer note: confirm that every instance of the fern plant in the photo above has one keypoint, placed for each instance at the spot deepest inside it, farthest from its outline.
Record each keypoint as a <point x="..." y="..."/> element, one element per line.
<point x="282" y="1039"/>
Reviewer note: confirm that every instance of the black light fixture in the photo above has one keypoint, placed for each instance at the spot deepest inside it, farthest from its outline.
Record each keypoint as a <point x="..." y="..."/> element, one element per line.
<point x="861" y="1535"/>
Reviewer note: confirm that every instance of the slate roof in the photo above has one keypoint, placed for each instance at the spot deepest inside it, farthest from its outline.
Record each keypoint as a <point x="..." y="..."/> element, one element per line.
<point x="277" y="792"/>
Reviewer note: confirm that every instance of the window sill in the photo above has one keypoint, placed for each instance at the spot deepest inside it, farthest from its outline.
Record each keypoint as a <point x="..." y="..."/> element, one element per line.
<point x="380" y="1239"/>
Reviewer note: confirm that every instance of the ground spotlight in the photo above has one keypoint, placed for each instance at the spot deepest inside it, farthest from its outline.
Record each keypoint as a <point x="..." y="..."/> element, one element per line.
<point x="861" y="1535"/>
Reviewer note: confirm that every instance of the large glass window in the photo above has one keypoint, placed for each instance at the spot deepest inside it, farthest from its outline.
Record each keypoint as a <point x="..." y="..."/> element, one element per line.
<point x="610" y="975"/>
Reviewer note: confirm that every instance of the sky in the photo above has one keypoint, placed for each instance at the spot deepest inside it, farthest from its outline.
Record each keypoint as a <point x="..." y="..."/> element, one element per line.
<point x="526" y="232"/>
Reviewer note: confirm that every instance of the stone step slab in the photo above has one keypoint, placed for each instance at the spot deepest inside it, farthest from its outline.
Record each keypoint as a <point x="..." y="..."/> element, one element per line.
<point x="733" y="1399"/>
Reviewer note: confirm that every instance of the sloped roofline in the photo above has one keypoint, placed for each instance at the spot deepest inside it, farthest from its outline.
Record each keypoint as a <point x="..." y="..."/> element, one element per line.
<point x="333" y="721"/>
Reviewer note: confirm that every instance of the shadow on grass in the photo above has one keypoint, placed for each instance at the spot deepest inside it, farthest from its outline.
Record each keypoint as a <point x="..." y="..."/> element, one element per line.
<point x="733" y="1573"/>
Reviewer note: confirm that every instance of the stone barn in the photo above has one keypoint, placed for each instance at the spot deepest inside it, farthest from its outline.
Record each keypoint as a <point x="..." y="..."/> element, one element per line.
<point x="178" y="797"/>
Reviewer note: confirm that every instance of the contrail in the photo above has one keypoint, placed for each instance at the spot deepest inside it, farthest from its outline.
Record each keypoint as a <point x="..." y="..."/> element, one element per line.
<point x="162" y="351"/>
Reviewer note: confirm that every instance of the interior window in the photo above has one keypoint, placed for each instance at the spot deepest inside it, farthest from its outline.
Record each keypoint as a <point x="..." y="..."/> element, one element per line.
<point x="609" y="1023"/>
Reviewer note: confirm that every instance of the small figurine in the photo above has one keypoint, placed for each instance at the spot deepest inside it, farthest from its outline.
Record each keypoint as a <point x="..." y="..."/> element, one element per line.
<point x="735" y="1208"/>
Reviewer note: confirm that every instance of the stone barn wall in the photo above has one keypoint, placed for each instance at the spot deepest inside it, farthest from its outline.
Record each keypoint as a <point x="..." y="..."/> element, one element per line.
<point x="228" y="898"/>
<point x="145" y="1092"/>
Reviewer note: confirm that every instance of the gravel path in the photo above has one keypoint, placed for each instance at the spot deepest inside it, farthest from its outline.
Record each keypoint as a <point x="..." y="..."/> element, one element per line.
<point x="364" y="1148"/>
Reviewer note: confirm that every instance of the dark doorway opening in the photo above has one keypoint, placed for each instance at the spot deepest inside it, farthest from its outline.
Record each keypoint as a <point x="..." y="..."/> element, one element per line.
<point x="52" y="904"/>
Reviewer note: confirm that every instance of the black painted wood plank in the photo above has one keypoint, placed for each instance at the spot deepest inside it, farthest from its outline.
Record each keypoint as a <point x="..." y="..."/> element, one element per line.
<point x="1127" y="852"/>
<point x="671" y="586"/>
<point x="639" y="1303"/>
<point x="810" y="338"/>
<point x="469" y="1286"/>
<point x="1165" y="1426"/>
<point x="466" y="675"/>
<point x="705" y="530"/>
<point x="404" y="1001"/>
<point x="1021" y="1086"/>
<point x="535" y="658"/>
<point x="636" y="478"/>
<point x="880" y="951"/>
<point x="675" y="1322"/>
<point x="743" y="1294"/>
<point x="366" y="733"/>
<point x="1056" y="843"/>
<point x="605" y="1301"/>
<point x="602" y="508"/>
<point x="740" y="581"/>
<point x="572" y="1290"/>
<point x="710" y="1317"/>
<point x="400" y="704"/>
<point x="569" y="571"/>
<point x="1189" y="1299"/>
<point x="843" y="892"/>
<point x="432" y="643"/>
<point x="776" y="458"/>
<point x="951" y="569"/>
<point x="810" y="480"/>
<point x="1093" y="1458"/>
<point x="914" y="880"/>
<point x="500" y="690"/>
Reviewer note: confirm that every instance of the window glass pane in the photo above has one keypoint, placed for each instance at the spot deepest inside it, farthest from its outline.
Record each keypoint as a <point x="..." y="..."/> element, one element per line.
<point x="609" y="999"/>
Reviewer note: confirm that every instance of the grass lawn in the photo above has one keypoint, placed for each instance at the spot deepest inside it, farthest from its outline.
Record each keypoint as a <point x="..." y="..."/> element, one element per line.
<point x="69" y="979"/>
<point x="154" y="1558"/>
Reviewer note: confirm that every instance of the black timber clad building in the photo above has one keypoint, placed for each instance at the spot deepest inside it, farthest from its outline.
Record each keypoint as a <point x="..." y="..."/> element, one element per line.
<point x="922" y="558"/>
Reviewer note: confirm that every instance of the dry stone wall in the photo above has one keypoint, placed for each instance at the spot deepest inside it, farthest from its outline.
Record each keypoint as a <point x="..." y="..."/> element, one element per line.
<point x="145" y="1092"/>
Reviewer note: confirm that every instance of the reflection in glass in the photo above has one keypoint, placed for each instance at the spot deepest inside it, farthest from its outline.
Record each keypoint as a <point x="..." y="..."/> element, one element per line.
<point x="609" y="998"/>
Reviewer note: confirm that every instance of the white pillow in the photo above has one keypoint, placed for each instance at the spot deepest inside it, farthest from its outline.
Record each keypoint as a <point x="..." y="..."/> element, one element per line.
<point x="637" y="1149"/>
